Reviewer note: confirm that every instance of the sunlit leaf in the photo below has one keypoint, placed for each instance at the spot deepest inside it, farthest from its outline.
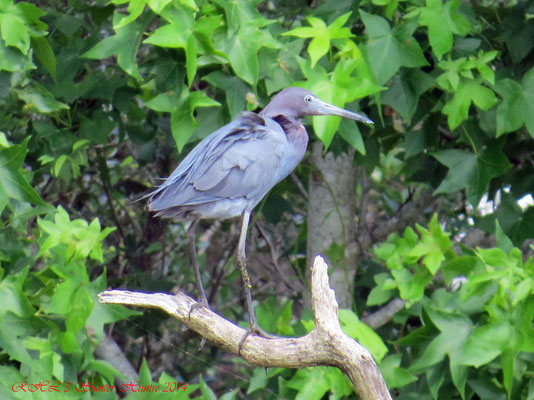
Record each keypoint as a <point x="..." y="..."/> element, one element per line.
<point x="443" y="20"/>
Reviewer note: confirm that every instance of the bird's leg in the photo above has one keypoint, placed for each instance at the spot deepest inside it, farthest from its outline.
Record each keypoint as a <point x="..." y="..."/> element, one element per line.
<point x="242" y="263"/>
<point x="202" y="299"/>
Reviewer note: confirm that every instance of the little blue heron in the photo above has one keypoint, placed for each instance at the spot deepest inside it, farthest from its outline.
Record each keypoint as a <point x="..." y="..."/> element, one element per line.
<point x="230" y="171"/>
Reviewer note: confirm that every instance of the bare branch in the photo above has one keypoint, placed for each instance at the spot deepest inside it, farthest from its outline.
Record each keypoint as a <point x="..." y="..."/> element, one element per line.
<point x="406" y="216"/>
<point x="108" y="350"/>
<point x="274" y="256"/>
<point x="299" y="185"/>
<point x="325" y="345"/>
<point x="384" y="315"/>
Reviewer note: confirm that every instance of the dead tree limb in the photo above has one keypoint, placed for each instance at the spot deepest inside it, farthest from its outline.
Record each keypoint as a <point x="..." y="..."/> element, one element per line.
<point x="384" y="315"/>
<point x="325" y="345"/>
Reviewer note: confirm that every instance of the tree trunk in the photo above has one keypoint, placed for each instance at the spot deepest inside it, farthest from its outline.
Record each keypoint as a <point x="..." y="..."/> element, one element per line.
<point x="331" y="213"/>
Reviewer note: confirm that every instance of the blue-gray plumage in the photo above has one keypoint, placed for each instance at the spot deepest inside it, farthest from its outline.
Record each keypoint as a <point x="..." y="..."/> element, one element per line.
<point x="230" y="171"/>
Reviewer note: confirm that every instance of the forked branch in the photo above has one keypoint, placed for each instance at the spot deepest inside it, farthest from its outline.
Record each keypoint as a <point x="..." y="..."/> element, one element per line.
<point x="325" y="345"/>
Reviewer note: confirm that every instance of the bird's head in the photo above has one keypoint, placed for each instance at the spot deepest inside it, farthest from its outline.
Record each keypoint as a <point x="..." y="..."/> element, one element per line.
<point x="297" y="103"/>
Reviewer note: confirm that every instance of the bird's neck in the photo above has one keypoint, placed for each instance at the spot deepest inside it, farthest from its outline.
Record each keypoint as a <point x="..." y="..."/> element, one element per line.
<point x="288" y="124"/>
<point x="274" y="109"/>
<point x="295" y="132"/>
<point x="297" y="142"/>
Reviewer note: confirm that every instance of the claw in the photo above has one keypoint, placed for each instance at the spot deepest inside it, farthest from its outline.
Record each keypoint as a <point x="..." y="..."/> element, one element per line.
<point x="197" y="305"/>
<point x="256" y="330"/>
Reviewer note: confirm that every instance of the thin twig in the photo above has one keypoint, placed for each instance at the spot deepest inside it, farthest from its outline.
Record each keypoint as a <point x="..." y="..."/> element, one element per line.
<point x="364" y="202"/>
<point x="274" y="255"/>
<point x="299" y="185"/>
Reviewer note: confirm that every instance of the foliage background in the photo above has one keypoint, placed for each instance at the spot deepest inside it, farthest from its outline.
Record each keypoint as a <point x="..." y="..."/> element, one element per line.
<point x="99" y="99"/>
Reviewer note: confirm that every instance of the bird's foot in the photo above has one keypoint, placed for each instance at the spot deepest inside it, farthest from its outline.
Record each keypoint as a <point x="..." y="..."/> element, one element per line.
<point x="254" y="329"/>
<point x="198" y="305"/>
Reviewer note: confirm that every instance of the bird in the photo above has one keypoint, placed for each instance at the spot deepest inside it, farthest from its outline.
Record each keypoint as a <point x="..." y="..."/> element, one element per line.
<point x="230" y="171"/>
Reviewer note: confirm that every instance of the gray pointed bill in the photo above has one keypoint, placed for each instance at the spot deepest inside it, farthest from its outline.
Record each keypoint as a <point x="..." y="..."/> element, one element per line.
<point x="322" y="108"/>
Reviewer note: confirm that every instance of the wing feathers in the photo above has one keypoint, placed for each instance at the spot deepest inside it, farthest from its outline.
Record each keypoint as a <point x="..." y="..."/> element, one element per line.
<point x="239" y="160"/>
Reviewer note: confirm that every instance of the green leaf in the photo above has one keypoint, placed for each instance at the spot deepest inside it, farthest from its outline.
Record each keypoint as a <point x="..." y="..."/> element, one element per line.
<point x="81" y="307"/>
<point x="496" y="257"/>
<point x="135" y="8"/>
<point x="243" y="58"/>
<point x="168" y="101"/>
<point x="12" y="296"/>
<point x="13" y="60"/>
<point x="405" y="90"/>
<point x="235" y="89"/>
<point x="431" y="247"/>
<point x="15" y="32"/>
<point x="13" y="184"/>
<point x="229" y="395"/>
<point x="182" y="106"/>
<point x="177" y="33"/>
<point x="352" y="326"/>
<point x="443" y="20"/>
<point x="145" y="376"/>
<point x="389" y="49"/>
<point x="318" y="47"/>
<point x="20" y="21"/>
<point x="183" y="123"/>
<point x="518" y="224"/>
<point x="172" y="35"/>
<point x="302" y="32"/>
<point x="123" y="44"/>
<point x="351" y="133"/>
<point x="258" y="380"/>
<point x="12" y="328"/>
<point x="61" y="302"/>
<point x="45" y="55"/>
<point x="311" y="383"/>
<point x="411" y="285"/>
<point x="207" y="393"/>
<point x="508" y="362"/>
<point x="243" y="46"/>
<point x="102" y="314"/>
<point x="472" y="172"/>
<point x="191" y="52"/>
<point x="40" y="98"/>
<point x="486" y="343"/>
<point x="394" y="374"/>
<point x="322" y="35"/>
<point x="105" y="369"/>
<point x="523" y="290"/>
<point x="503" y="242"/>
<point x="517" y="106"/>
<point x="183" y="126"/>
<point x="457" y="109"/>
<point x="378" y="294"/>
<point x="239" y="12"/>
<point x="517" y="29"/>
<point x="200" y="99"/>
<point x="455" y="331"/>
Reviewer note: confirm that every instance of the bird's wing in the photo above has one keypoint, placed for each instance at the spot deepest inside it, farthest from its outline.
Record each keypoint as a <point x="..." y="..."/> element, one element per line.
<point x="240" y="159"/>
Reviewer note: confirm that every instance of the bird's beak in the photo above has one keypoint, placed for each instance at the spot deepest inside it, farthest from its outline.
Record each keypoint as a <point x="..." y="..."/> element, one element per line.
<point x="319" y="107"/>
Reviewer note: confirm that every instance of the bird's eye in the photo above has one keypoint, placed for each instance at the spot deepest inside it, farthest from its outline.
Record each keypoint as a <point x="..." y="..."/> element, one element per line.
<point x="308" y="99"/>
